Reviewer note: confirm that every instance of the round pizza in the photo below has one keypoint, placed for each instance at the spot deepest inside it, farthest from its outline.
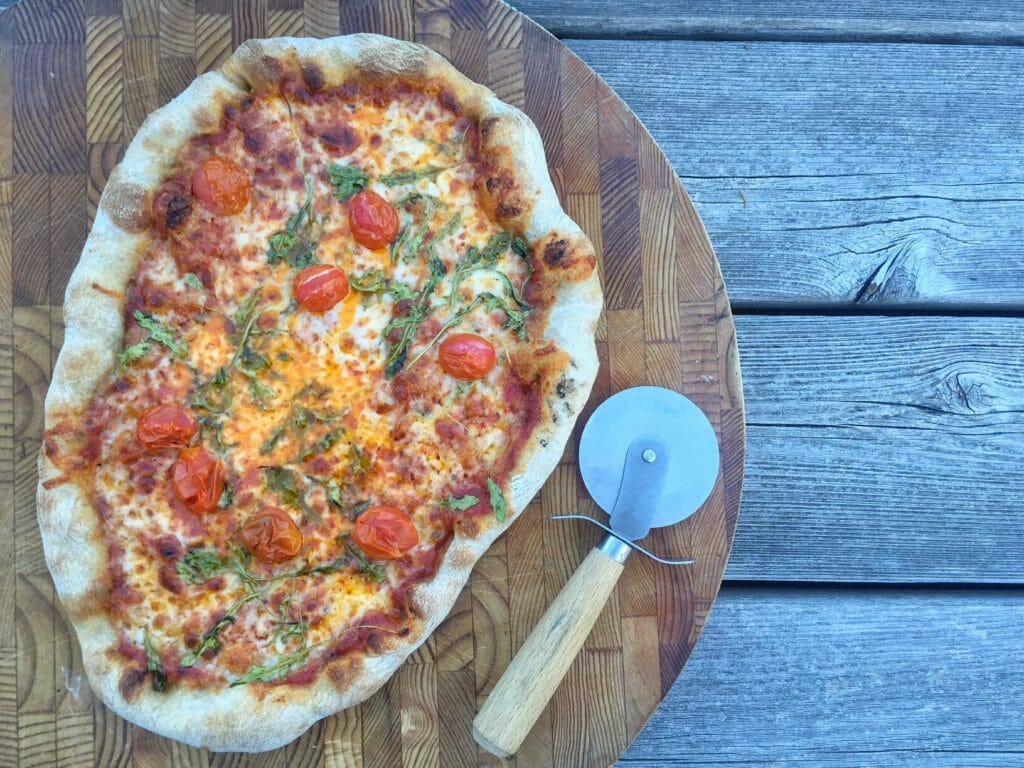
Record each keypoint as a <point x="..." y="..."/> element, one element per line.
<point x="328" y="336"/>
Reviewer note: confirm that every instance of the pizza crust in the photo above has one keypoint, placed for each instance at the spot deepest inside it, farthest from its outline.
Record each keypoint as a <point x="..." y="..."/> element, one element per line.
<point x="236" y="718"/>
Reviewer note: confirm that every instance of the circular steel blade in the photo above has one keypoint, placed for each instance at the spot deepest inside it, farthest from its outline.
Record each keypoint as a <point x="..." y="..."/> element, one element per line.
<point x="666" y="416"/>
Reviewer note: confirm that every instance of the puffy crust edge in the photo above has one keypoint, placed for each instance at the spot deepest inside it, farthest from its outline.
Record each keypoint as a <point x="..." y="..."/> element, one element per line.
<point x="235" y="718"/>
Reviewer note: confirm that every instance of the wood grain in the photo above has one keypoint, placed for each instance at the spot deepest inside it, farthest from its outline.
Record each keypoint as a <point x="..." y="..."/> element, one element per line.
<point x="856" y="176"/>
<point x="863" y="677"/>
<point x="988" y="22"/>
<point x="82" y="77"/>
<point x="882" y="449"/>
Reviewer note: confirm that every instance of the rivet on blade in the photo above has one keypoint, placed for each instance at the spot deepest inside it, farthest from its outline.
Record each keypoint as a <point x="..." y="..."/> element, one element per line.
<point x="649" y="456"/>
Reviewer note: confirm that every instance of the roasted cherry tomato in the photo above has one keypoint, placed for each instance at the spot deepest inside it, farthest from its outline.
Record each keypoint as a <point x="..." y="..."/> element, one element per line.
<point x="373" y="221"/>
<point x="466" y="356"/>
<point x="271" y="536"/>
<point x="198" y="479"/>
<point x="165" y="426"/>
<point x="319" y="287"/>
<point x="385" y="533"/>
<point x="221" y="186"/>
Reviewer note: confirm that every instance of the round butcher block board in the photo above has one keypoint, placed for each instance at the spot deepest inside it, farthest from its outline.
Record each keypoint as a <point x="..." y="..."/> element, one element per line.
<point x="78" y="79"/>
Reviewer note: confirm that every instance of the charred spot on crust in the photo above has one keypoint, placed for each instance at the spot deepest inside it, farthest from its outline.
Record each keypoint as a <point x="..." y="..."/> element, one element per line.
<point x="486" y="126"/>
<point x="130" y="683"/>
<point x="556" y="253"/>
<point x="563" y="388"/>
<point x="508" y="210"/>
<point x="447" y="100"/>
<point x="342" y="138"/>
<point x="314" y="77"/>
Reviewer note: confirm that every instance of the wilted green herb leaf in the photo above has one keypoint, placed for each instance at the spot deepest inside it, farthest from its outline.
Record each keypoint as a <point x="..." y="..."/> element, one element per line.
<point x="376" y="571"/>
<point x="460" y="503"/>
<point x="358" y="460"/>
<point x="409" y="176"/>
<point x="276" y="670"/>
<point x="346" y="180"/>
<point x="200" y="565"/>
<point x="130" y="354"/>
<point x="228" y="497"/>
<point x="498" y="503"/>
<point x="520" y="246"/>
<point x="370" y="281"/>
<point x="160" y="333"/>
<point x="192" y="281"/>
<point x="320" y="446"/>
<point x="296" y="243"/>
<point x="153" y="664"/>
<point x="210" y="640"/>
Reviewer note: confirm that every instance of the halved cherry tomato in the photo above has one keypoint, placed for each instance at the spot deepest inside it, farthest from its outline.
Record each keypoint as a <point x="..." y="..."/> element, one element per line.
<point x="373" y="220"/>
<point x="198" y="479"/>
<point x="466" y="356"/>
<point x="385" y="533"/>
<point x="319" y="287"/>
<point x="272" y="536"/>
<point x="221" y="186"/>
<point x="165" y="426"/>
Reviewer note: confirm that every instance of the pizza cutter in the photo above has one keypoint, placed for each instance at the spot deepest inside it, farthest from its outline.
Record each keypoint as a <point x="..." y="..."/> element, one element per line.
<point x="649" y="457"/>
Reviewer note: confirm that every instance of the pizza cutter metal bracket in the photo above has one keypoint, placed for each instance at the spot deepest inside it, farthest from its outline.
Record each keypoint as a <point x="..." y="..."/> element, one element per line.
<point x="649" y="457"/>
<point x="616" y="552"/>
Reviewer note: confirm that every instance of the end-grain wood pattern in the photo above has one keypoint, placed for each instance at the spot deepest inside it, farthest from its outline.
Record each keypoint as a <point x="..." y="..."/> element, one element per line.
<point x="76" y="81"/>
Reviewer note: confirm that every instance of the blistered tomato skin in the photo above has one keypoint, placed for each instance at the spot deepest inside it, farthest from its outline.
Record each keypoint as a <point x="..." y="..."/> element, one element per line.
<point x="165" y="426"/>
<point x="373" y="221"/>
<point x="466" y="356"/>
<point x="198" y="479"/>
<point x="319" y="287"/>
<point x="221" y="186"/>
<point x="271" y="536"/>
<point x="385" y="532"/>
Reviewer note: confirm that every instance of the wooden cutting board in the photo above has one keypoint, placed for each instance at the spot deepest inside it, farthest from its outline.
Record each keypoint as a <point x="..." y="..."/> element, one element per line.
<point x="75" y="84"/>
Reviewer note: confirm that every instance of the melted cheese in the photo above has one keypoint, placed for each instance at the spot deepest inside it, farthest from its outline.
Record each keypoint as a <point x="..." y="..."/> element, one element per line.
<point x="385" y="449"/>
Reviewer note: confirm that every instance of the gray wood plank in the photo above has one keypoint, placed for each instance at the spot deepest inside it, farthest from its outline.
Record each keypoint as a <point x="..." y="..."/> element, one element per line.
<point x="848" y="679"/>
<point x="988" y="21"/>
<point x="842" y="175"/>
<point x="882" y="449"/>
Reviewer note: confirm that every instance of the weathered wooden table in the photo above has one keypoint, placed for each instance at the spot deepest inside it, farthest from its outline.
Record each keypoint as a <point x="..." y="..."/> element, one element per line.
<point x="860" y="169"/>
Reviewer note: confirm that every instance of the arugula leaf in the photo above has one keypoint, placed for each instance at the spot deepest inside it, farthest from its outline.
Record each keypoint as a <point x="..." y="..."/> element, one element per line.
<point x="397" y="178"/>
<point x="370" y="281"/>
<point x="160" y="333"/>
<point x="200" y="565"/>
<point x="460" y="503"/>
<point x="375" y="571"/>
<point x="192" y="281"/>
<point x="346" y="180"/>
<point x="271" y="442"/>
<point x="228" y="497"/>
<point x="262" y="395"/>
<point x="278" y="669"/>
<point x="520" y="246"/>
<point x="153" y="664"/>
<point x="296" y="243"/>
<point x="210" y="641"/>
<point x="358" y="460"/>
<point x="412" y="237"/>
<point x="321" y="446"/>
<point x="498" y="503"/>
<point x="130" y="354"/>
<point x="359" y="508"/>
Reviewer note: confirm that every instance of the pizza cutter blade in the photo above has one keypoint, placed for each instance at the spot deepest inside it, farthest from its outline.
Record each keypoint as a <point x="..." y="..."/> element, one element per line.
<point x="649" y="457"/>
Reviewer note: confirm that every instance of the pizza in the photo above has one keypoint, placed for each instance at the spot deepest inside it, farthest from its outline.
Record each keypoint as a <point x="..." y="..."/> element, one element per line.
<point x="327" y="337"/>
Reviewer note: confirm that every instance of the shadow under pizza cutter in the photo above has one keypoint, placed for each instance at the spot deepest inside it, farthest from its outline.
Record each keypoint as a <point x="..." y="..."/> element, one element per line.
<point x="648" y="457"/>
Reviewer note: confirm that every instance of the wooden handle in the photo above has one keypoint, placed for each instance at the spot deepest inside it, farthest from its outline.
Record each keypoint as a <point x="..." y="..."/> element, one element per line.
<point x="527" y="685"/>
